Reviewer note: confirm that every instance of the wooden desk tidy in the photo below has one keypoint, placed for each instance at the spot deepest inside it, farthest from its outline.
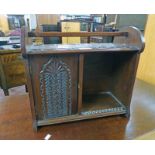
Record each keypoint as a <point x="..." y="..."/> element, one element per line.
<point x="81" y="81"/>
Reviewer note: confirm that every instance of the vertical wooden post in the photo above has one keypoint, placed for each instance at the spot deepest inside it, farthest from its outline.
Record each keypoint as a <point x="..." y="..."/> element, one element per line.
<point x="80" y="83"/>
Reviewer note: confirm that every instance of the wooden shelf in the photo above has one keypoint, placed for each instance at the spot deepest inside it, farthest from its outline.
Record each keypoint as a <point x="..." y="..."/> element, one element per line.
<point x="102" y="102"/>
<point x="80" y="48"/>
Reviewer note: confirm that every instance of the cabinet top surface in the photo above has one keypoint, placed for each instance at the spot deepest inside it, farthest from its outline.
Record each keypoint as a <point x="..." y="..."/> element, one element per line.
<point x="79" y="48"/>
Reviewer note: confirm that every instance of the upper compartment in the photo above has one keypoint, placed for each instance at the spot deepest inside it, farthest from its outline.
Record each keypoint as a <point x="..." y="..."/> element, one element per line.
<point x="128" y="39"/>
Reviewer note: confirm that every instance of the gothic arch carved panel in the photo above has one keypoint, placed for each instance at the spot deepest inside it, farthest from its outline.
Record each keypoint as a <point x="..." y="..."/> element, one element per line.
<point x="55" y="88"/>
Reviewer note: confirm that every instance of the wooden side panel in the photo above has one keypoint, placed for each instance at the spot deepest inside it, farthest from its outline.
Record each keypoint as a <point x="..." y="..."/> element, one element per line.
<point x="54" y="85"/>
<point x="133" y="38"/>
<point x="125" y="68"/>
<point x="31" y="94"/>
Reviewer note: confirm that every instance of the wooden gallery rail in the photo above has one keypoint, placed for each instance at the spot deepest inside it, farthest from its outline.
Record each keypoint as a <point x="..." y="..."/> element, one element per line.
<point x="81" y="81"/>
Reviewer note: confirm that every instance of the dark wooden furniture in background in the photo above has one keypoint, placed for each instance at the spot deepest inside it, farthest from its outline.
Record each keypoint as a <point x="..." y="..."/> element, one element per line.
<point x="81" y="81"/>
<point x="49" y="28"/>
<point x="12" y="70"/>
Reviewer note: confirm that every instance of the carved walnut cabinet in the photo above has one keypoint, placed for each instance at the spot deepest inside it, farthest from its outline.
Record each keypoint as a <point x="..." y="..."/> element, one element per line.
<point x="81" y="81"/>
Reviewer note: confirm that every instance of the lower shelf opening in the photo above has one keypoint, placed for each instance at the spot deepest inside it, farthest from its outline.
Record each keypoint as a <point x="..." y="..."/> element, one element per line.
<point x="102" y="102"/>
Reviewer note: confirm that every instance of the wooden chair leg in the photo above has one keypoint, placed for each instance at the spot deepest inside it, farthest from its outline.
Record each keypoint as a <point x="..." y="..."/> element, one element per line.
<point x="6" y="92"/>
<point x="26" y="89"/>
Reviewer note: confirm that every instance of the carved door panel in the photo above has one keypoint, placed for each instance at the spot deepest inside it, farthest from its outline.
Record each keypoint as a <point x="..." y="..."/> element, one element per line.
<point x="55" y="85"/>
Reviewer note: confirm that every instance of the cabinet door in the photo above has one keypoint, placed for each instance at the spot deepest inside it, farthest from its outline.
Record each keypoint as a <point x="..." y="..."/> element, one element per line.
<point x="70" y="27"/>
<point x="54" y="81"/>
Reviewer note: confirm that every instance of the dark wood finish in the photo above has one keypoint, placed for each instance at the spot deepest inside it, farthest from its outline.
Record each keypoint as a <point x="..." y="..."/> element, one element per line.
<point x="75" y="34"/>
<point x="80" y="48"/>
<point x="31" y="95"/>
<point x="76" y="117"/>
<point x="80" y="84"/>
<point x="98" y="72"/>
<point x="134" y="38"/>
<point x="89" y="30"/>
<point x="115" y="77"/>
<point x="24" y="40"/>
<point x="16" y="119"/>
<point x="65" y="77"/>
<point x="36" y="67"/>
<point x="128" y="64"/>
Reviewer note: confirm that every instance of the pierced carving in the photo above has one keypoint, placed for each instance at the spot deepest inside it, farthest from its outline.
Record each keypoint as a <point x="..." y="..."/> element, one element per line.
<point x="55" y="87"/>
<point x="93" y="112"/>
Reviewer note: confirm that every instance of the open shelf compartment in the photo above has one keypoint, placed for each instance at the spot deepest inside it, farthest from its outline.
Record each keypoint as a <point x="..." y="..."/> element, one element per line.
<point x="103" y="102"/>
<point x="106" y="85"/>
